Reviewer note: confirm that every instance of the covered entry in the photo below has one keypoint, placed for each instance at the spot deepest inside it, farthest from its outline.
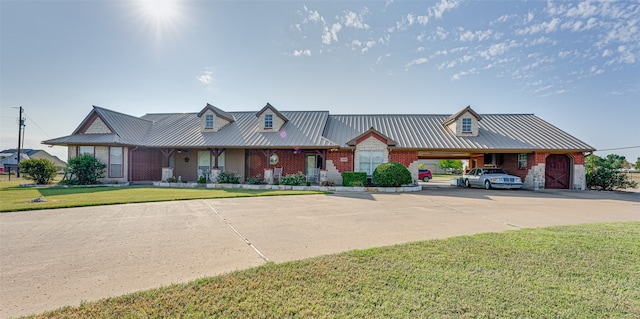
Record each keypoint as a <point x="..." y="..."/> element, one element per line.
<point x="557" y="174"/>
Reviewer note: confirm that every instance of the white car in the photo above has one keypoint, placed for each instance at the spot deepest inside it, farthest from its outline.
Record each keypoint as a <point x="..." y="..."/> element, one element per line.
<point x="491" y="178"/>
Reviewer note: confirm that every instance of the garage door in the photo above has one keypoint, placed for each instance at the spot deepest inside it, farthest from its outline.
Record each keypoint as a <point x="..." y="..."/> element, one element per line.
<point x="557" y="172"/>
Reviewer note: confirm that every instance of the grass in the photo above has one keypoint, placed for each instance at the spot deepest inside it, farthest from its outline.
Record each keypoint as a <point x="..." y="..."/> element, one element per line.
<point x="585" y="271"/>
<point x="15" y="198"/>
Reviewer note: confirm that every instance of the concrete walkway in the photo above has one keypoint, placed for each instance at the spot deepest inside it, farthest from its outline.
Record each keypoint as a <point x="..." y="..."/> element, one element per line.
<point x="53" y="258"/>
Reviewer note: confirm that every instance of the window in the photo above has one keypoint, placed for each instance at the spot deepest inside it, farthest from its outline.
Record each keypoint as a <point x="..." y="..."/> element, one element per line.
<point x="204" y="163"/>
<point x="522" y="161"/>
<point x="208" y="121"/>
<point x="85" y="150"/>
<point x="115" y="162"/>
<point x="369" y="160"/>
<point x="268" y="121"/>
<point x="466" y="125"/>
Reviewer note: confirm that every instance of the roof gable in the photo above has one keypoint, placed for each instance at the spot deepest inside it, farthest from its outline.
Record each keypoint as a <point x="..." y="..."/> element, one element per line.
<point x="273" y="109"/>
<point x="218" y="112"/>
<point x="372" y="131"/>
<point x="456" y="116"/>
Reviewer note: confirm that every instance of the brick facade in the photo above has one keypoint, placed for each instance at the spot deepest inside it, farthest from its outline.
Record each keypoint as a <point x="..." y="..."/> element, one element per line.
<point x="403" y="157"/>
<point x="290" y="162"/>
<point x="341" y="166"/>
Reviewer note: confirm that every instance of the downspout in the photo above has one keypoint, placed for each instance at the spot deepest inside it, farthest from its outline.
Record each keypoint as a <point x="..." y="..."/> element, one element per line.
<point x="130" y="159"/>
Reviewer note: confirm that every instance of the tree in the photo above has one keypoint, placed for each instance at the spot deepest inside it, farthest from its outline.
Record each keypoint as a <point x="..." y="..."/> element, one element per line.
<point x="453" y="164"/>
<point x="605" y="173"/>
<point x="86" y="169"/>
<point x="637" y="165"/>
<point x="41" y="171"/>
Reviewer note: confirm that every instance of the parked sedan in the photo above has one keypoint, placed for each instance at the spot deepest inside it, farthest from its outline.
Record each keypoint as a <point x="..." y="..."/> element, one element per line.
<point x="491" y="178"/>
<point x="424" y="175"/>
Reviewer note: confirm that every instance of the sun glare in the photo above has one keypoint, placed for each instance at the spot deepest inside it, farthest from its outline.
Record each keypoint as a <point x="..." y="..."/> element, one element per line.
<point x="161" y="15"/>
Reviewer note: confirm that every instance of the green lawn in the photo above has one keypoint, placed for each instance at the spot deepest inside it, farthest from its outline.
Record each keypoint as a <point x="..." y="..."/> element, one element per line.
<point x="15" y="198"/>
<point x="585" y="271"/>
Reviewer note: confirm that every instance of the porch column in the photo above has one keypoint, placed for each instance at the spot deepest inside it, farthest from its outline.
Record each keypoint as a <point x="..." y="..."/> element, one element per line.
<point x="216" y="152"/>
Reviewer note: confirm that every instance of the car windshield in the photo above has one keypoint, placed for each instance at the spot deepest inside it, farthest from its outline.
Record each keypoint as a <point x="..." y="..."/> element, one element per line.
<point x="495" y="171"/>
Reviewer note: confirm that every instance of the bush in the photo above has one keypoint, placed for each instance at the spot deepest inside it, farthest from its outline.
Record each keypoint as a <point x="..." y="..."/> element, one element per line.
<point x="604" y="173"/>
<point x="41" y="171"/>
<point x="354" y="178"/>
<point x="202" y="180"/>
<point x="257" y="180"/>
<point x="228" y="178"/>
<point x="293" y="179"/>
<point x="86" y="169"/>
<point x="172" y="180"/>
<point x="391" y="174"/>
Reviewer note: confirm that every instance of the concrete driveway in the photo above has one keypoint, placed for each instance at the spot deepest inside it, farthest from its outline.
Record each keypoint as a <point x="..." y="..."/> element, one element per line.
<point x="53" y="258"/>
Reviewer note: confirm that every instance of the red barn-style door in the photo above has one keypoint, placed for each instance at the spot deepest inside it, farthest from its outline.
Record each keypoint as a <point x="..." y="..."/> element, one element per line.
<point x="557" y="172"/>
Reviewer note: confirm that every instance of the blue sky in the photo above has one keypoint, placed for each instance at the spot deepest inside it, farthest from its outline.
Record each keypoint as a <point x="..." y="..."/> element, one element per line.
<point x="576" y="64"/>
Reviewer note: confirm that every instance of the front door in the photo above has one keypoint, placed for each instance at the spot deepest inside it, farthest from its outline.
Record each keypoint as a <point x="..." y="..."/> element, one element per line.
<point x="557" y="174"/>
<point x="312" y="168"/>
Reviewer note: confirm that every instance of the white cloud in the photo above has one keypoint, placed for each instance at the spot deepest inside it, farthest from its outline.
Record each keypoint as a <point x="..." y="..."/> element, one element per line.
<point x="206" y="77"/>
<point x="584" y="9"/>
<point x="529" y="17"/>
<point x="423" y="20"/>
<point x="417" y="62"/>
<point x="388" y="3"/>
<point x="596" y="71"/>
<point x="479" y="35"/>
<point x="331" y="34"/>
<point x="312" y="16"/>
<point x="306" y="52"/>
<point x="368" y="46"/>
<point x="355" y="20"/>
<point x="420" y="49"/>
<point x="498" y="49"/>
<point x="442" y="7"/>
<point x="546" y="27"/>
<point x="461" y="74"/>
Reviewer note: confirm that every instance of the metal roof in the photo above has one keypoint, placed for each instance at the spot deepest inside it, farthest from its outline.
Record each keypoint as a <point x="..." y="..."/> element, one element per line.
<point x="496" y="132"/>
<point x="319" y="129"/>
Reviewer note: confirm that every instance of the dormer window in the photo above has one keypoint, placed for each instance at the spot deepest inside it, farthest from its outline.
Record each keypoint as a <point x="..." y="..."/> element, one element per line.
<point x="466" y="125"/>
<point x="208" y="121"/>
<point x="268" y="121"/>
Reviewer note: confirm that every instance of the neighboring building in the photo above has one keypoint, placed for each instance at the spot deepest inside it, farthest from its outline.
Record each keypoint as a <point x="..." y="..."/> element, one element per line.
<point x="189" y="145"/>
<point x="9" y="158"/>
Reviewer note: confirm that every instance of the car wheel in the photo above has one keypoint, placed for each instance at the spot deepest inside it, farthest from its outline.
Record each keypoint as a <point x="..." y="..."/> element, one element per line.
<point x="466" y="183"/>
<point x="425" y="179"/>
<point x="487" y="185"/>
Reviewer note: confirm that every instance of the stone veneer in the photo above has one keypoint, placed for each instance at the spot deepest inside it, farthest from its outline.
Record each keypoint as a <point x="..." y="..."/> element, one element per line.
<point x="218" y="122"/>
<point x="370" y="144"/>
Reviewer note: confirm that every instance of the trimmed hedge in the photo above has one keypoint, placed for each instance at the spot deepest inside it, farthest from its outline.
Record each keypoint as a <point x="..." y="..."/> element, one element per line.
<point x="354" y="179"/>
<point x="391" y="174"/>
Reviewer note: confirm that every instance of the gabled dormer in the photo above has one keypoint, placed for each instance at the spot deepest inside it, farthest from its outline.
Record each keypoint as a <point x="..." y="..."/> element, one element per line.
<point x="464" y="123"/>
<point x="269" y="119"/>
<point x="372" y="133"/>
<point x="213" y="119"/>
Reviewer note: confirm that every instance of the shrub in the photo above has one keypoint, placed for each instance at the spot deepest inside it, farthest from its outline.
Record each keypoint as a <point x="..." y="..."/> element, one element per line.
<point x="328" y="183"/>
<point x="41" y="171"/>
<point x="604" y="173"/>
<point x="86" y="169"/>
<point x="228" y="178"/>
<point x="391" y="174"/>
<point x="172" y="180"/>
<point x="257" y="180"/>
<point x="293" y="179"/>
<point x="202" y="180"/>
<point x="354" y="178"/>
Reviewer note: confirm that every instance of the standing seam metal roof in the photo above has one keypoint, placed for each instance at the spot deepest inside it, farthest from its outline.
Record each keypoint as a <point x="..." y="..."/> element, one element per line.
<point x="309" y="129"/>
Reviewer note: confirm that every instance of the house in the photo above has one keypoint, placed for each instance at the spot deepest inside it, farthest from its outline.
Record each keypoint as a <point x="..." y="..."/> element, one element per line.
<point x="188" y="145"/>
<point x="9" y="158"/>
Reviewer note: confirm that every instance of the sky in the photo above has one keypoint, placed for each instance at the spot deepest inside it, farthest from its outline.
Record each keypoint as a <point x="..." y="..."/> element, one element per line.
<point x="575" y="64"/>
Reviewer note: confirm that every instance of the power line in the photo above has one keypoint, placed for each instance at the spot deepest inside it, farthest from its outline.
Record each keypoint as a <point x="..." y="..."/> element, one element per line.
<point x="36" y="124"/>
<point x="618" y="148"/>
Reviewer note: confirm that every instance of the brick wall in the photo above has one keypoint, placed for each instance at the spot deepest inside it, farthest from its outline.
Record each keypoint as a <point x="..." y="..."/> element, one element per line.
<point x="578" y="158"/>
<point x="291" y="163"/>
<point x="146" y="164"/>
<point x="403" y="157"/>
<point x="341" y="166"/>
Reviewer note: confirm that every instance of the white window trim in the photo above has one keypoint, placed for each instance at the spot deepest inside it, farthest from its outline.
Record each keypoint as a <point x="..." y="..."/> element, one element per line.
<point x="209" y="121"/>
<point x="470" y="128"/>
<point x="268" y="119"/>
<point x="111" y="163"/>
<point x="93" y="150"/>
<point x="370" y="165"/>
<point x="522" y="161"/>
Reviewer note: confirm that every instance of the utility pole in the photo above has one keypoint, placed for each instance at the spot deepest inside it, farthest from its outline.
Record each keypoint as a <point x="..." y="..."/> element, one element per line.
<point x="20" y="126"/>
